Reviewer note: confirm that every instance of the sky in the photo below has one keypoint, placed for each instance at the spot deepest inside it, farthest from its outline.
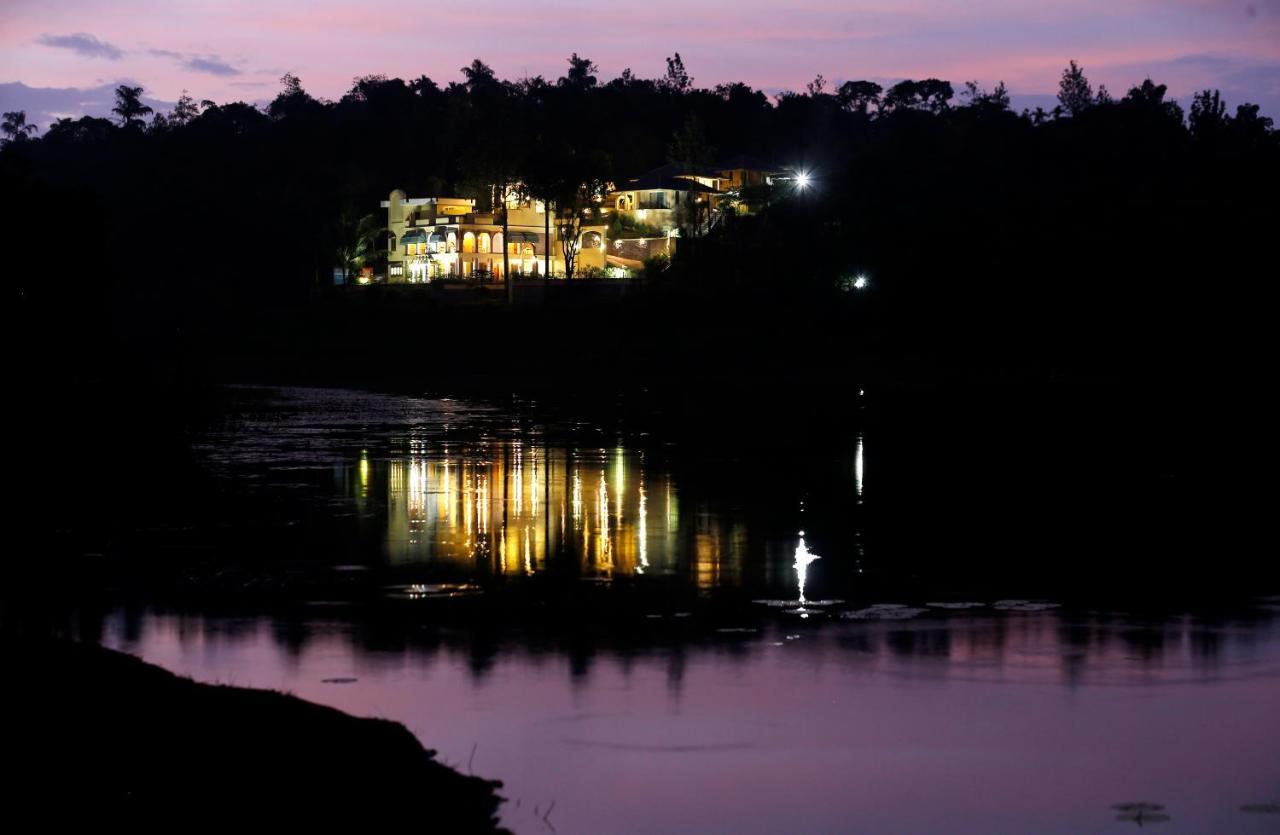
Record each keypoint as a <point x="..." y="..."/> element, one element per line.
<point x="65" y="57"/>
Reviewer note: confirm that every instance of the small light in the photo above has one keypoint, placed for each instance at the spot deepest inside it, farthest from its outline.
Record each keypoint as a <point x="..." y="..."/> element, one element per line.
<point x="860" y="282"/>
<point x="802" y="180"/>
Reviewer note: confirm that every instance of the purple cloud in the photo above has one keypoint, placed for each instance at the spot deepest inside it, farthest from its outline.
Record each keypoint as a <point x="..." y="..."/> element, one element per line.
<point x="209" y="64"/>
<point x="84" y="44"/>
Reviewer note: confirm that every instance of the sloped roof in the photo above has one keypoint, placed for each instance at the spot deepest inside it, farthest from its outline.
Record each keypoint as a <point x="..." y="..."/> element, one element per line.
<point x="652" y="180"/>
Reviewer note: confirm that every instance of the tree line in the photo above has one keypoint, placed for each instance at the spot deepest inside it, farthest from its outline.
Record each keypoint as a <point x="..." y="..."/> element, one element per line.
<point x="968" y="216"/>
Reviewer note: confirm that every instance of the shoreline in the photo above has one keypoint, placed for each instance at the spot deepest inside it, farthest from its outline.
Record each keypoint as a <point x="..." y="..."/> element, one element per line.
<point x="98" y="725"/>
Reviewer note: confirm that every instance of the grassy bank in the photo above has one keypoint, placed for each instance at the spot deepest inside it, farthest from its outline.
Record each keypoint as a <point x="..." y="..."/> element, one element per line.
<point x="123" y="737"/>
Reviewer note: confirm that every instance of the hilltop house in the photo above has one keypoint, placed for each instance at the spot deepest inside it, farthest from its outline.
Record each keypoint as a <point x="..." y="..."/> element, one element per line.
<point x="446" y="237"/>
<point x="430" y="238"/>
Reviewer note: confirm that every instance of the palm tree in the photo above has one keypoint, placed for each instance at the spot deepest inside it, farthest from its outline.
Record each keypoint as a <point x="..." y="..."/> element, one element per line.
<point x="15" y="126"/>
<point x="358" y="238"/>
<point x="129" y="106"/>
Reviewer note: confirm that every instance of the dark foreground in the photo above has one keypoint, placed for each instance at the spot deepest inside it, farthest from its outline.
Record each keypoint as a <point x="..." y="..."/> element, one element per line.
<point x="156" y="744"/>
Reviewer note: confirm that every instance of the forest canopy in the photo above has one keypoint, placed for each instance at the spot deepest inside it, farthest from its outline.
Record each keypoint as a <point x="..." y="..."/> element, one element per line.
<point x="1107" y="207"/>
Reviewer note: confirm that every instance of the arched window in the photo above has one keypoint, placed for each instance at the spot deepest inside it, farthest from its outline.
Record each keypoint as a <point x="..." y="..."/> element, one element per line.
<point x="483" y="240"/>
<point x="468" y="242"/>
<point x="453" y="242"/>
<point x="391" y="243"/>
<point x="497" y="242"/>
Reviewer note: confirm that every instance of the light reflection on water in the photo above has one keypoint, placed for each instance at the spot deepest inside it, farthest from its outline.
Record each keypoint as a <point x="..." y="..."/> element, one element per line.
<point x="516" y="506"/>
<point x="475" y="493"/>
<point x="876" y="717"/>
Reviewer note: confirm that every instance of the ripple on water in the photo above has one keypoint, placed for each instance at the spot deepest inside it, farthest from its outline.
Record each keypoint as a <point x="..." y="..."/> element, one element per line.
<point x="884" y="611"/>
<point x="431" y="591"/>
<point x="1024" y="605"/>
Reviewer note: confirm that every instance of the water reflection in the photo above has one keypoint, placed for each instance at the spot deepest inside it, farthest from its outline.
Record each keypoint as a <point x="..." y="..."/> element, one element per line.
<point x="515" y="508"/>
<point x="1048" y="718"/>
<point x="803" y="558"/>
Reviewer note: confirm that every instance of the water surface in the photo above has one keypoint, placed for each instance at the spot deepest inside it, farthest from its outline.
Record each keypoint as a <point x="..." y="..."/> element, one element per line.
<point x="970" y="722"/>
<point x="855" y="629"/>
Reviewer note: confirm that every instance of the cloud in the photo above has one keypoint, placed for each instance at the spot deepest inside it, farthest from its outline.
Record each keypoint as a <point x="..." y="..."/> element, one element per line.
<point x="210" y="64"/>
<point x="84" y="44"/>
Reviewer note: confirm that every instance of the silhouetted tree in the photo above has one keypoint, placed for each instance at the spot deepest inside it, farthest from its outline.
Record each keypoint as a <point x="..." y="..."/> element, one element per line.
<point x="1208" y="119"/>
<point x="581" y="74"/>
<point x="292" y="101"/>
<point x="358" y="237"/>
<point x="478" y="74"/>
<point x="1149" y="97"/>
<point x="579" y="200"/>
<point x="931" y="94"/>
<point x="859" y="96"/>
<point x="1254" y="130"/>
<point x="1075" y="94"/>
<point x="129" y="106"/>
<point x="677" y="79"/>
<point x="15" y="127"/>
<point x="995" y="101"/>
<point x="184" y="110"/>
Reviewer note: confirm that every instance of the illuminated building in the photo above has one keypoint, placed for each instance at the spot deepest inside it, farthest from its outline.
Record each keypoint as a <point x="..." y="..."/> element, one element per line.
<point x="650" y="211"/>
<point x="447" y="237"/>
<point x="450" y="237"/>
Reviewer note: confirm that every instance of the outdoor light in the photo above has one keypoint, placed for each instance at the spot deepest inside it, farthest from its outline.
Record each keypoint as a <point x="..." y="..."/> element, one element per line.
<point x="860" y="282"/>
<point x="802" y="180"/>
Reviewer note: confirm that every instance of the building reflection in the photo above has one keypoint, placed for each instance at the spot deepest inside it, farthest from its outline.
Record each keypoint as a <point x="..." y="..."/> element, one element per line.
<point x="517" y="508"/>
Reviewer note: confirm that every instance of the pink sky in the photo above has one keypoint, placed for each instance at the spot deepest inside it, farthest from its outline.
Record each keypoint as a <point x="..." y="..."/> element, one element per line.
<point x="236" y="49"/>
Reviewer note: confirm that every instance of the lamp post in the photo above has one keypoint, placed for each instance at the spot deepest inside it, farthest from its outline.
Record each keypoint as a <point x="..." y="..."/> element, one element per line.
<point x="506" y="246"/>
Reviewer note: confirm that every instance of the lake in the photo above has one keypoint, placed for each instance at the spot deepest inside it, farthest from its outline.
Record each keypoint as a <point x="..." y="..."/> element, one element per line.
<point x="924" y="618"/>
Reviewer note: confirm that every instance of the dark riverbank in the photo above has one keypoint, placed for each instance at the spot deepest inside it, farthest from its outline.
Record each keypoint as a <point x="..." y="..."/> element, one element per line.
<point x="125" y="738"/>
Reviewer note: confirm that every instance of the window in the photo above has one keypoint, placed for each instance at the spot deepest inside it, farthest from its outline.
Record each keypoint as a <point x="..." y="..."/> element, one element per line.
<point x="391" y="244"/>
<point x="453" y="242"/>
<point x="468" y="242"/>
<point x="483" y="241"/>
<point x="497" y="242"/>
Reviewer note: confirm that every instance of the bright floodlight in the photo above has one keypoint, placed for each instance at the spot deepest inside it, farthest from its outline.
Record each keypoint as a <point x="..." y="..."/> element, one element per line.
<point x="860" y="282"/>
<point x="802" y="179"/>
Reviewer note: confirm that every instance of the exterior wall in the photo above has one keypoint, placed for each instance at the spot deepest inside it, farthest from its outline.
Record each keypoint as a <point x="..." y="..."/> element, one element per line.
<point x="632" y="252"/>
<point x="527" y="247"/>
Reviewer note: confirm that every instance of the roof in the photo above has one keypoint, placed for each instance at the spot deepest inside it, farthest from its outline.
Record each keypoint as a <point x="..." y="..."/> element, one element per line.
<point x="650" y="181"/>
